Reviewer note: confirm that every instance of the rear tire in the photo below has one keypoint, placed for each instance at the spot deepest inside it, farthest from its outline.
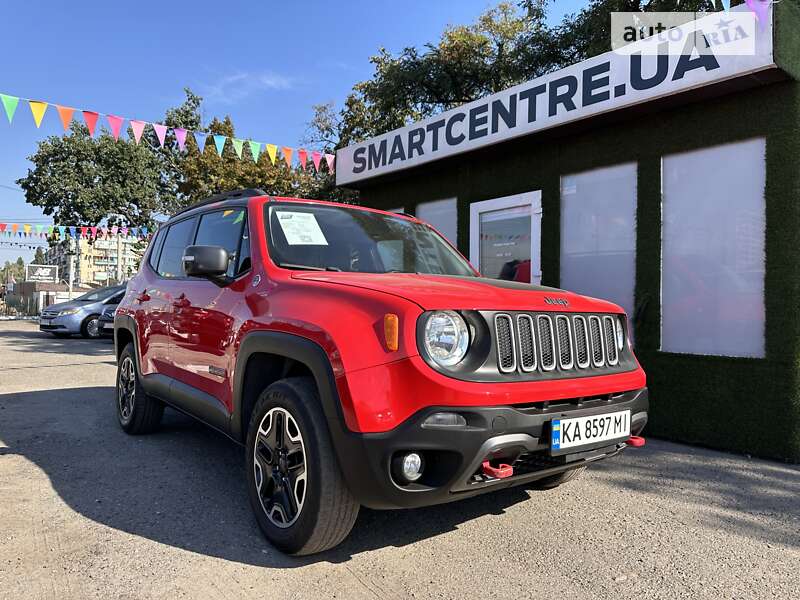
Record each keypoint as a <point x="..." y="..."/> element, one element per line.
<point x="61" y="336"/>
<point x="301" y="509"/>
<point x="90" y="328"/>
<point x="549" y="483"/>
<point x="137" y="412"/>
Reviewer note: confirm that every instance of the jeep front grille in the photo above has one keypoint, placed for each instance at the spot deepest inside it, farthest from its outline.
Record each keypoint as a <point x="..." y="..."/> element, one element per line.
<point x="546" y="342"/>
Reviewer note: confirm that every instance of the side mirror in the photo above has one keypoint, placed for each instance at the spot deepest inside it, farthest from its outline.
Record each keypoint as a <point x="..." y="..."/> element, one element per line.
<point x="210" y="262"/>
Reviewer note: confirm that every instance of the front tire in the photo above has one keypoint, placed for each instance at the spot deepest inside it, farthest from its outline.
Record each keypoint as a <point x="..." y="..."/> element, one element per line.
<point x="294" y="482"/>
<point x="137" y="412"/>
<point x="553" y="481"/>
<point x="90" y="328"/>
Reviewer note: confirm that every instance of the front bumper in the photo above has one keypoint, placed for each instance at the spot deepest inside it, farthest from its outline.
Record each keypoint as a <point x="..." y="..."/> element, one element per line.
<point x="519" y="435"/>
<point x="65" y="324"/>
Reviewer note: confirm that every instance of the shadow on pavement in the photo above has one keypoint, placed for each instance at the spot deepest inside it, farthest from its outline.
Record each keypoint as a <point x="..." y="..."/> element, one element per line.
<point x="183" y="486"/>
<point x="23" y="340"/>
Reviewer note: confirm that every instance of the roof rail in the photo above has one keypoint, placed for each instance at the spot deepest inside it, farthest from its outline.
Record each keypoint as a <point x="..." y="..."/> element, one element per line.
<point x="244" y="193"/>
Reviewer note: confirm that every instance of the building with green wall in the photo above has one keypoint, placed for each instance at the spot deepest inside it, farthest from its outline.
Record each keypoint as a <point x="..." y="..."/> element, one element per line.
<point x="675" y="193"/>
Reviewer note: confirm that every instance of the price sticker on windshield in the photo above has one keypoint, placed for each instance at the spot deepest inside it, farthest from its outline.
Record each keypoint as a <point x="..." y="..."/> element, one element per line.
<point x="301" y="229"/>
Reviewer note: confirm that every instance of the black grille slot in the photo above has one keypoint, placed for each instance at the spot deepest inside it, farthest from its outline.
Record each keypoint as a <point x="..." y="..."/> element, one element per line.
<point x="596" y="335"/>
<point x="611" y="341"/>
<point x="546" y="342"/>
<point x="527" y="345"/>
<point x="581" y="342"/>
<point x="564" y="342"/>
<point x="505" y="343"/>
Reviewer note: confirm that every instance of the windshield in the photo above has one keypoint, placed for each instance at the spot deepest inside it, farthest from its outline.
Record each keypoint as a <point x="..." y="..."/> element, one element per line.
<point x="329" y="238"/>
<point x="97" y="295"/>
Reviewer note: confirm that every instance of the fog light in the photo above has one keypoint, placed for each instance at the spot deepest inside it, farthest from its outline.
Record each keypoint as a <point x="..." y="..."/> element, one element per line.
<point x="408" y="466"/>
<point x="445" y="419"/>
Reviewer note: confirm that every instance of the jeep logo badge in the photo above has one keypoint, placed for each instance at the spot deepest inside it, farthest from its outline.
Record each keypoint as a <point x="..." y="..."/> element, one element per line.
<point x="559" y="301"/>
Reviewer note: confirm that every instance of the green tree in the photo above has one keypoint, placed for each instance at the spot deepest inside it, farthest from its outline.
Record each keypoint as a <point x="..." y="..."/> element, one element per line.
<point x="38" y="257"/>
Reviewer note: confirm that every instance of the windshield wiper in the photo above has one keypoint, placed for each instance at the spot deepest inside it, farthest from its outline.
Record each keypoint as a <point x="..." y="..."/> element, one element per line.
<point x="306" y="267"/>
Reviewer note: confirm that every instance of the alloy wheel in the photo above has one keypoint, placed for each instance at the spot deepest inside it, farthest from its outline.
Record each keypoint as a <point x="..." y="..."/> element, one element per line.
<point x="126" y="388"/>
<point x="93" y="328"/>
<point x="280" y="467"/>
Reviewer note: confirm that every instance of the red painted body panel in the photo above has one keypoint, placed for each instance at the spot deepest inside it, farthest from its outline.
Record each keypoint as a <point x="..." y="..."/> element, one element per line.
<point x="188" y="326"/>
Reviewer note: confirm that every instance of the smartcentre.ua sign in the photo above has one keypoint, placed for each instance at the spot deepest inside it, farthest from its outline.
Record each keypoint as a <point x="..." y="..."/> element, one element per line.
<point x="700" y="56"/>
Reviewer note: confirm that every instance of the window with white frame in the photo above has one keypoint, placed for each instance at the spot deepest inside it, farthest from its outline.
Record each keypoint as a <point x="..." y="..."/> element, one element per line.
<point x="443" y="215"/>
<point x="712" y="280"/>
<point x="598" y="233"/>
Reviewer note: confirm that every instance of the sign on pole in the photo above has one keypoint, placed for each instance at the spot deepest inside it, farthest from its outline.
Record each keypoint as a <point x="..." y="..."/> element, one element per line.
<point x="41" y="273"/>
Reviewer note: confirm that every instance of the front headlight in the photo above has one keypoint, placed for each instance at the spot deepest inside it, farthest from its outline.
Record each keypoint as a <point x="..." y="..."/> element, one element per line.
<point x="446" y="337"/>
<point x="68" y="311"/>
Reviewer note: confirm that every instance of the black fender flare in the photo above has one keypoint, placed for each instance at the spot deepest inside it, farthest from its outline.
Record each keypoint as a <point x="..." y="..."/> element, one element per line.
<point x="128" y="323"/>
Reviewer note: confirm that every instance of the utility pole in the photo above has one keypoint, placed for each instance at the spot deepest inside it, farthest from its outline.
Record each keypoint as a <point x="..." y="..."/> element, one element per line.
<point x="71" y="263"/>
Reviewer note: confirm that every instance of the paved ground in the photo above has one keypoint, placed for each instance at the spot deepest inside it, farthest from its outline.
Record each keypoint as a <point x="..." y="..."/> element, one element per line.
<point x="88" y="512"/>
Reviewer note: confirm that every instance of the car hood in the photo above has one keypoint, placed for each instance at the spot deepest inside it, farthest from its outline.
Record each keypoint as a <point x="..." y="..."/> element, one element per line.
<point x="441" y="292"/>
<point x="66" y="305"/>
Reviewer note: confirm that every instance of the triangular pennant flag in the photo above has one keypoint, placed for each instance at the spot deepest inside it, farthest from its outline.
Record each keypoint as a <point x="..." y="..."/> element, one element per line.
<point x="219" y="140"/>
<point x="37" y="109"/>
<point x="272" y="150"/>
<point x="161" y="132"/>
<point x="114" y="230"/>
<point x="238" y="145"/>
<point x="49" y="230"/>
<point x="200" y="140"/>
<point x="329" y="158"/>
<point x="84" y="231"/>
<point x="26" y="228"/>
<point x="10" y="104"/>
<point x="287" y="156"/>
<point x="138" y="128"/>
<point x="94" y="231"/>
<point x="180" y="135"/>
<point x="303" y="156"/>
<point x="135" y="231"/>
<point x="144" y="231"/>
<point x="62" y="230"/>
<point x="65" y="114"/>
<point x="104" y="231"/>
<point x="3" y="227"/>
<point x="72" y="231"/>
<point x="91" y="120"/>
<point x="14" y="228"/>
<point x="255" y="150"/>
<point x="39" y="229"/>
<point x="116" y="124"/>
<point x="124" y="231"/>
<point x="317" y="158"/>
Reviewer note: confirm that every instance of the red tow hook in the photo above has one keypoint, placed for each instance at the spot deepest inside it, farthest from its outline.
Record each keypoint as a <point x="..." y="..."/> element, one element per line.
<point x="500" y="472"/>
<point x="635" y="441"/>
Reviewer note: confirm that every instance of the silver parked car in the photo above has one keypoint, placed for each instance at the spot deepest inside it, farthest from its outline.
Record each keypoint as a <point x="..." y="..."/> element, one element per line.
<point x="81" y="315"/>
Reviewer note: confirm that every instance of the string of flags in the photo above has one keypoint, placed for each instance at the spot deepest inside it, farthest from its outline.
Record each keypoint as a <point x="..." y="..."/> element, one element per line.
<point x="26" y="230"/>
<point x="38" y="109"/>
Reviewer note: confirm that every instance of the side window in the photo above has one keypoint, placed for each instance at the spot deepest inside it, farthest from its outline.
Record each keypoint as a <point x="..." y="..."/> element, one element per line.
<point x="116" y="298"/>
<point x="157" y="243"/>
<point x="244" y="252"/>
<point x="177" y="238"/>
<point x="224" y="229"/>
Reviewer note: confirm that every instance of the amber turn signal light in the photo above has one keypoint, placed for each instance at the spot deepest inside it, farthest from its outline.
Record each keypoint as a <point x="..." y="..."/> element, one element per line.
<point x="391" y="331"/>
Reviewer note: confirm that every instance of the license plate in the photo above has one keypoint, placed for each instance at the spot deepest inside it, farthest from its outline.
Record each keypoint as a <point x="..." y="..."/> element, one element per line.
<point x="44" y="321"/>
<point x="582" y="431"/>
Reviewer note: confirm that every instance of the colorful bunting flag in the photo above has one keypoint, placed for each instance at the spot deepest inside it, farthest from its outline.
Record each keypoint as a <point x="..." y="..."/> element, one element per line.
<point x="137" y="127"/>
<point x="144" y="231"/>
<point x="219" y="141"/>
<point x="10" y="104"/>
<point x="26" y="228"/>
<point x="255" y="150"/>
<point x="287" y="156"/>
<point x="37" y="110"/>
<point x="123" y="231"/>
<point x="114" y="230"/>
<point x="161" y="132"/>
<point x="180" y="136"/>
<point x="72" y="231"/>
<point x="84" y="231"/>
<point x="94" y="231"/>
<point x="91" y="120"/>
<point x="62" y="230"/>
<point x="329" y="158"/>
<point x="272" y="150"/>
<point x="316" y="157"/>
<point x="39" y="229"/>
<point x="14" y="228"/>
<point x="303" y="156"/>
<point x="116" y="124"/>
<point x="200" y="140"/>
<point x="3" y="227"/>
<point x="238" y="145"/>
<point x="65" y="114"/>
<point x="49" y="230"/>
<point x="135" y="231"/>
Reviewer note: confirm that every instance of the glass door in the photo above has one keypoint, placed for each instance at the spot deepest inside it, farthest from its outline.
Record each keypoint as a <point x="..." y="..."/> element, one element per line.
<point x="505" y="237"/>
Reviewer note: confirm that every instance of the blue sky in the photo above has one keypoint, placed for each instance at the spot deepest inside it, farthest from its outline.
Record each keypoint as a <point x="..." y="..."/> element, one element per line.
<point x="264" y="63"/>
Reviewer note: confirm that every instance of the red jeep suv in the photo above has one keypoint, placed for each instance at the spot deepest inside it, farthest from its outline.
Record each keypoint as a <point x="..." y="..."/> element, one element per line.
<point x="361" y="360"/>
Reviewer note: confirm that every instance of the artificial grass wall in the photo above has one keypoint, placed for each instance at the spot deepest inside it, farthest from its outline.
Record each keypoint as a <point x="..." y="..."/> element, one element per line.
<point x="739" y="404"/>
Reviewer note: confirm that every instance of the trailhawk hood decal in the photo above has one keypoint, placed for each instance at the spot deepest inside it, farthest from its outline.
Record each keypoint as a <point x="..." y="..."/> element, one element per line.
<point x="437" y="292"/>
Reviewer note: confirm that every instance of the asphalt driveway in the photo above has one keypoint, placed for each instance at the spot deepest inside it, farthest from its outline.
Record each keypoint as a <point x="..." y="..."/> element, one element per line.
<point x="89" y="512"/>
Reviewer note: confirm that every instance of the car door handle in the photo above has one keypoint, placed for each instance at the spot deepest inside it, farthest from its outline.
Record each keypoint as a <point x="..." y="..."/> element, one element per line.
<point x="143" y="297"/>
<point x="181" y="302"/>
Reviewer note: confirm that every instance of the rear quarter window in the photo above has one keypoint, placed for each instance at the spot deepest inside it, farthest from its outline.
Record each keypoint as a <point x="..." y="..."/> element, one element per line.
<point x="177" y="238"/>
